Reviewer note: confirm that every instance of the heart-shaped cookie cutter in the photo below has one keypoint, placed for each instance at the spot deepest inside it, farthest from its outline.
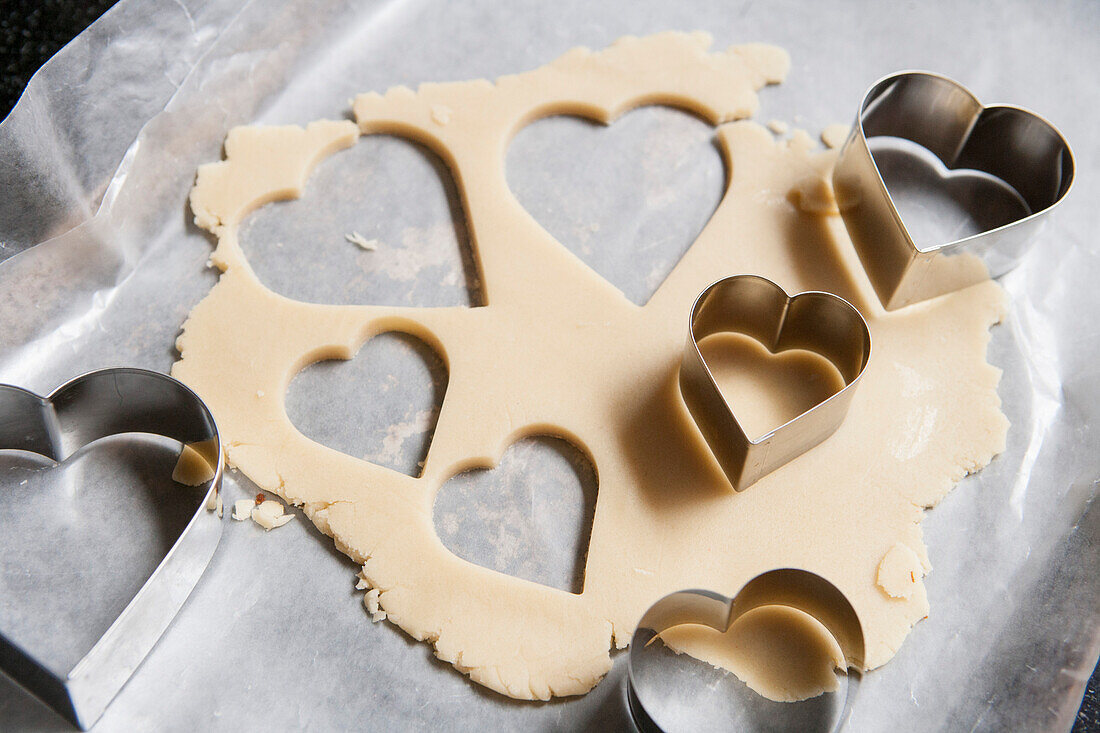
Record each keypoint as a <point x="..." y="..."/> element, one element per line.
<point x="1009" y="143"/>
<point x="85" y="409"/>
<point x="816" y="321"/>
<point x="790" y="587"/>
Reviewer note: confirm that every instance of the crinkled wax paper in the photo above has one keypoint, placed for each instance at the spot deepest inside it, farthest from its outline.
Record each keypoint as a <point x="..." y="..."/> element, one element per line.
<point x="100" y="265"/>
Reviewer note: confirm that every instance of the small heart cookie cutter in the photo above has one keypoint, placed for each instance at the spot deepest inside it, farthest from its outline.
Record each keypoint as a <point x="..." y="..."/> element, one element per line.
<point x="790" y="587"/>
<point x="816" y="321"/>
<point x="1010" y="143"/>
<point x="85" y="409"/>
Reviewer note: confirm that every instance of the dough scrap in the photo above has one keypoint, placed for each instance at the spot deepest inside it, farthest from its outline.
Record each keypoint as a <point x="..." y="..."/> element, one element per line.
<point x="899" y="571"/>
<point x="926" y="413"/>
<point x="270" y="514"/>
<point x="835" y="134"/>
<point x="242" y="509"/>
<point x="368" y="245"/>
<point x="370" y="601"/>
<point x="779" y="127"/>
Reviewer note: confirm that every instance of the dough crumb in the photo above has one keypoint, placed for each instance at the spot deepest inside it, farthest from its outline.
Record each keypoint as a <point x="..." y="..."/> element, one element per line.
<point x="899" y="571"/>
<point x="361" y="585"/>
<point x="362" y="242"/>
<point x="370" y="601"/>
<point x="779" y="127"/>
<point x="800" y="141"/>
<point x="270" y="514"/>
<point x="834" y="135"/>
<point x="242" y="509"/>
<point x="441" y="114"/>
<point x="814" y="195"/>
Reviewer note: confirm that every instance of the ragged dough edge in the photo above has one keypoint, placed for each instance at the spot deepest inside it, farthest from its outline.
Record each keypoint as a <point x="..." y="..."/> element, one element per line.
<point x="983" y="395"/>
<point x="985" y="387"/>
<point x="509" y="676"/>
<point x="680" y="75"/>
<point x="925" y="496"/>
<point x="266" y="166"/>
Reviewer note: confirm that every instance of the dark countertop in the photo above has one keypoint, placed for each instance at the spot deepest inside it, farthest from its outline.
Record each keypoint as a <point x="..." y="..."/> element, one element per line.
<point x="31" y="31"/>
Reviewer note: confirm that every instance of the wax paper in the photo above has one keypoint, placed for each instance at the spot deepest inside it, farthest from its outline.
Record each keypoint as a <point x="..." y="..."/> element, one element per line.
<point x="100" y="263"/>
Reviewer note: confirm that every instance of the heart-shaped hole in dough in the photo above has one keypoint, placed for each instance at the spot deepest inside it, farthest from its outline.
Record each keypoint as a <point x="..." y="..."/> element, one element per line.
<point x="940" y="205"/>
<point x="767" y="390"/>
<point x="628" y="199"/>
<point x="381" y="405"/>
<point x="530" y="517"/>
<point x="378" y="224"/>
<point x="79" y="539"/>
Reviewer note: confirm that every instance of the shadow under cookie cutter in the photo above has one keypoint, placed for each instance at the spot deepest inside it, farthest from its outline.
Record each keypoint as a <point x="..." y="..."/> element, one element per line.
<point x="87" y="408"/>
<point x="815" y="321"/>
<point x="789" y="587"/>
<point x="1010" y="143"/>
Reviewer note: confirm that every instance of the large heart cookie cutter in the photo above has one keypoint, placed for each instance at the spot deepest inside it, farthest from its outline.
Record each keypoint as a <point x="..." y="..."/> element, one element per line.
<point x="90" y="407"/>
<point x="1009" y="143"/>
<point x="816" y="321"/>
<point x="789" y="587"/>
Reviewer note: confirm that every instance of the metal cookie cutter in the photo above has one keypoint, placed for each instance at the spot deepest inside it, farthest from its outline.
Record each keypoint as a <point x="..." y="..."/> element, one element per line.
<point x="1012" y="144"/>
<point x="657" y="697"/>
<point x="820" y="322"/>
<point x="90" y="407"/>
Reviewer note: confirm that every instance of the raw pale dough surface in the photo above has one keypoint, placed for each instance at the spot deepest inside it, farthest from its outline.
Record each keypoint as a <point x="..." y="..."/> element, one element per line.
<point x="777" y="651"/>
<point x="557" y="350"/>
<point x="900" y="570"/>
<point x="835" y="134"/>
<point x="768" y="389"/>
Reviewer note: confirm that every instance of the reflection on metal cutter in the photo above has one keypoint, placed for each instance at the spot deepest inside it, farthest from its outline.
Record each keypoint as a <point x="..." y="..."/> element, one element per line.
<point x="1009" y="143"/>
<point x="93" y="406"/>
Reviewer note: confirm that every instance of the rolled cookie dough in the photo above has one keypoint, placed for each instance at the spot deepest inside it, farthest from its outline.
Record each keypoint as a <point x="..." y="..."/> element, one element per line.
<point x="558" y="350"/>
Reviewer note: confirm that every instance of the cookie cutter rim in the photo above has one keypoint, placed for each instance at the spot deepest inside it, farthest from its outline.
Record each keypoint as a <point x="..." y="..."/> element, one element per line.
<point x="84" y="409"/>
<point x="790" y="587"/>
<point x="756" y="306"/>
<point x="896" y="265"/>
